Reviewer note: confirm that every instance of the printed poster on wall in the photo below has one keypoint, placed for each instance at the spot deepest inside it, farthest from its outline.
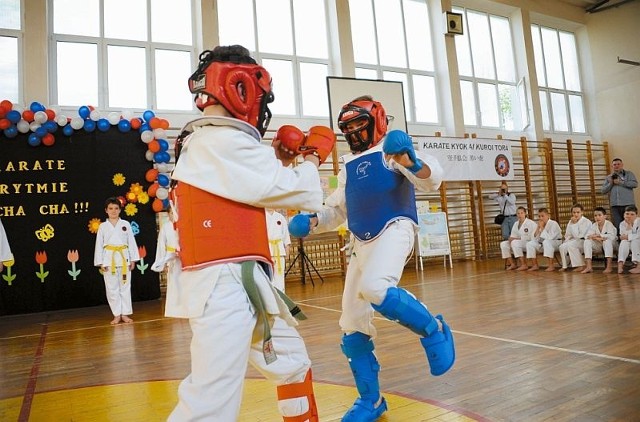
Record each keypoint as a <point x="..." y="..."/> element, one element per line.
<point x="433" y="234"/>
<point x="470" y="158"/>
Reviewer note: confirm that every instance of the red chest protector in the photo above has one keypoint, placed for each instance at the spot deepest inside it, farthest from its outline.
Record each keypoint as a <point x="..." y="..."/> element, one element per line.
<point x="215" y="230"/>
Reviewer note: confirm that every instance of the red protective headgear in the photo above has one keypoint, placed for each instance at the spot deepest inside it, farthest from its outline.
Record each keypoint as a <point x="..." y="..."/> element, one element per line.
<point x="368" y="122"/>
<point x="243" y="89"/>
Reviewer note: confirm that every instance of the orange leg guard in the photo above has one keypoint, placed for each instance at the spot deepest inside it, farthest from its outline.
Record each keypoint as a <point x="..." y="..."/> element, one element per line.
<point x="301" y="389"/>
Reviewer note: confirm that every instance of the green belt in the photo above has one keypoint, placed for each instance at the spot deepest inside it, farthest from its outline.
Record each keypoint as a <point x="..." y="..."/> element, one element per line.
<point x="250" y="287"/>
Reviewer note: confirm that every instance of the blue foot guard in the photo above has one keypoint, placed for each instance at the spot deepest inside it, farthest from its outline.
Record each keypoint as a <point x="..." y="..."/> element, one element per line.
<point x="358" y="348"/>
<point x="401" y="306"/>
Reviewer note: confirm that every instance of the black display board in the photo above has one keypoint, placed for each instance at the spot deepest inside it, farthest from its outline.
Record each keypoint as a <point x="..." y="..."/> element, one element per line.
<point x="51" y="198"/>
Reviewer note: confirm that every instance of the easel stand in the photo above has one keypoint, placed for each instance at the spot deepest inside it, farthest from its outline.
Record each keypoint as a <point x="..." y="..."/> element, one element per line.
<point x="305" y="265"/>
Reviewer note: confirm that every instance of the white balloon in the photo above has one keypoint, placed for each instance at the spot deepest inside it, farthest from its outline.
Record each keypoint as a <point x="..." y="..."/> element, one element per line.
<point x="162" y="193"/>
<point x="77" y="123"/>
<point x="127" y="114"/>
<point x="162" y="167"/>
<point x="18" y="107"/>
<point x="40" y="117"/>
<point x="148" y="155"/>
<point x="146" y="136"/>
<point x="23" y="126"/>
<point x="159" y="133"/>
<point x="61" y="120"/>
<point x="113" y="118"/>
<point x="94" y="115"/>
<point x="34" y="126"/>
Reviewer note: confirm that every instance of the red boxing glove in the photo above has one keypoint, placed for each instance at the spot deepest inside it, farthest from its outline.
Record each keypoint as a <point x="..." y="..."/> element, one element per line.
<point x="291" y="140"/>
<point x="320" y="142"/>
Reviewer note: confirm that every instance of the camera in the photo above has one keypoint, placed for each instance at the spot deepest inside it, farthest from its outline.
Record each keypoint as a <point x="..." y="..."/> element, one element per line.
<point x="614" y="176"/>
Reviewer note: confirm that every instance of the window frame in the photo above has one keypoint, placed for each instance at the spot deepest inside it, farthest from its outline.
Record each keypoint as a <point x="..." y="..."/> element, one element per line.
<point x="102" y="44"/>
<point x="409" y="89"/>
<point x="18" y="34"/>
<point x="566" y="93"/>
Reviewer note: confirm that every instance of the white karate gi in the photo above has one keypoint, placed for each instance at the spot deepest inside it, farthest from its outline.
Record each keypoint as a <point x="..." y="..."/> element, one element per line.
<point x="521" y="233"/>
<point x="279" y="239"/>
<point x="573" y="244"/>
<point x="547" y="241"/>
<point x="608" y="232"/>
<point x="224" y="156"/>
<point x="5" y="250"/>
<point x="632" y="243"/>
<point x="115" y="249"/>
<point x="377" y="264"/>
<point x="166" y="246"/>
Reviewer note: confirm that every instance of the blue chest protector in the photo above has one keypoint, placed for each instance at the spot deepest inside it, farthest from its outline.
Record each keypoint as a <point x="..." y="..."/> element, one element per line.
<point x="376" y="195"/>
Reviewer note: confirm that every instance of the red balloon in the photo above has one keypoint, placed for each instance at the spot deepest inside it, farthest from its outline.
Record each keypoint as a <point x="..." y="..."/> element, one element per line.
<point x="6" y="104"/>
<point x="164" y="124"/>
<point x="151" y="175"/>
<point x="154" y="146"/>
<point x="135" y="123"/>
<point x="157" y="205"/>
<point x="5" y="123"/>
<point x="48" y="140"/>
<point x="50" y="114"/>
<point x="153" y="189"/>
<point x="28" y="115"/>
<point x="3" y="111"/>
<point x="154" y="123"/>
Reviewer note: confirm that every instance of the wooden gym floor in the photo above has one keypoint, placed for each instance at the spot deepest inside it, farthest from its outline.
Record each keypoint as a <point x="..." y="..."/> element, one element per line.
<point x="530" y="347"/>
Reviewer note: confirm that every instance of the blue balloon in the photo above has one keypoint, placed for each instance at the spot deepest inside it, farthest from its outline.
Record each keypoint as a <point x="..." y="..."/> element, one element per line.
<point x="165" y="203"/>
<point x="103" y="125"/>
<point x="148" y="115"/>
<point x="89" y="125"/>
<point x="67" y="130"/>
<point x="41" y="131"/>
<point x="143" y="127"/>
<point x="11" y="132"/>
<point x="124" y="126"/>
<point x="163" y="180"/>
<point x="164" y="145"/>
<point x="162" y="157"/>
<point x="36" y="106"/>
<point x="14" y="116"/>
<point x="34" y="140"/>
<point x="84" y="112"/>
<point x="50" y="126"/>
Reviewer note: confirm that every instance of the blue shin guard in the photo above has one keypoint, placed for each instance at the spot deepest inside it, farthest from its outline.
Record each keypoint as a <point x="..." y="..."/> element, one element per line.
<point x="358" y="348"/>
<point x="401" y="306"/>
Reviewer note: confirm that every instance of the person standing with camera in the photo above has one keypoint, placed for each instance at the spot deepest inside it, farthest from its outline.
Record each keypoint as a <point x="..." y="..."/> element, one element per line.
<point x="619" y="185"/>
<point x="507" y="202"/>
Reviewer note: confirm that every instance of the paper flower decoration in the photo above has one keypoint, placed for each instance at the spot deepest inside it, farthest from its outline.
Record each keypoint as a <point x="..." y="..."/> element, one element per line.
<point x="94" y="225"/>
<point x="143" y="198"/>
<point x="119" y="179"/>
<point x="131" y="209"/>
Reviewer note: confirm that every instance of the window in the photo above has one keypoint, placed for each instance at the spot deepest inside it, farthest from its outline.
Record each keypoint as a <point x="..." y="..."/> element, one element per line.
<point x="486" y="64"/>
<point x="133" y="55"/>
<point x="10" y="59"/>
<point x="289" y="38"/>
<point x="558" y="74"/>
<point x="392" y="41"/>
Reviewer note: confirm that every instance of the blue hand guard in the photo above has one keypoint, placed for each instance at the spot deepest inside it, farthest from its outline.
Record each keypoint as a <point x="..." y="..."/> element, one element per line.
<point x="300" y="225"/>
<point x="398" y="142"/>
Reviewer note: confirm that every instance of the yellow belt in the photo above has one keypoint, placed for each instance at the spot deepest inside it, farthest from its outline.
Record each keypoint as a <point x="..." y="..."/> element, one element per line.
<point x="119" y="250"/>
<point x="170" y="249"/>
<point x="275" y="243"/>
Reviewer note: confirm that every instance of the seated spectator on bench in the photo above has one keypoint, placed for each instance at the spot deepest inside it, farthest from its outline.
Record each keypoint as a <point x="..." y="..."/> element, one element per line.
<point x="629" y="239"/>
<point x="547" y="239"/>
<point x="521" y="232"/>
<point x="601" y="237"/>
<point x="574" y="236"/>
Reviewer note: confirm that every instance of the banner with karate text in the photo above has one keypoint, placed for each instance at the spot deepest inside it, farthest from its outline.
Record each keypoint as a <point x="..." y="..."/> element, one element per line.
<point x="470" y="158"/>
